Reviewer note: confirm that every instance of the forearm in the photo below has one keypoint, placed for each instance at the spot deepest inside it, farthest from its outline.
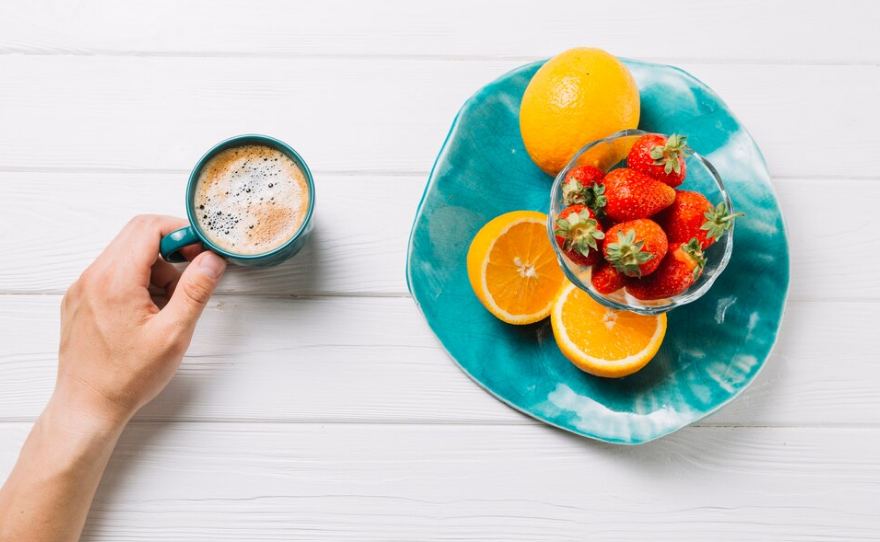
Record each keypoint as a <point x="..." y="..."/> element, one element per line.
<point x="118" y="350"/>
<point x="48" y="494"/>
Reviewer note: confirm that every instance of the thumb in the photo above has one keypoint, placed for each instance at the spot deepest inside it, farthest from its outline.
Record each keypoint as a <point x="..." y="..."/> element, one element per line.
<point x="194" y="289"/>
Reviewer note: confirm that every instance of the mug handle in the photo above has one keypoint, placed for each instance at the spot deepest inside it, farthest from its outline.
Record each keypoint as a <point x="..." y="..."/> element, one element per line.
<point x="171" y="244"/>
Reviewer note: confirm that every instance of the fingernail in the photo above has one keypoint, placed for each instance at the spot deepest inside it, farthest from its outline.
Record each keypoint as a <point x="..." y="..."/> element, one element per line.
<point x="211" y="265"/>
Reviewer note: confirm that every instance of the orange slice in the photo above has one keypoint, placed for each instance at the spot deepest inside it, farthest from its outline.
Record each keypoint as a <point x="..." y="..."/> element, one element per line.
<point x="603" y="341"/>
<point x="513" y="269"/>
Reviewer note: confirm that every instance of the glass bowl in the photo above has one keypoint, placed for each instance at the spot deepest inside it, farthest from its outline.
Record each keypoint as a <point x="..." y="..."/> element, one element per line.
<point x="610" y="153"/>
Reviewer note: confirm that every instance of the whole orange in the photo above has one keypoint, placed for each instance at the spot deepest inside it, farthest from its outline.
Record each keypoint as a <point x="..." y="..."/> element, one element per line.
<point x="578" y="96"/>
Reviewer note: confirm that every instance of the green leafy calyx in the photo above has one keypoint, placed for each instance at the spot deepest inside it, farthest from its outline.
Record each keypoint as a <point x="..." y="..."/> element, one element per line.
<point x="626" y="255"/>
<point x="580" y="231"/>
<point x="718" y="220"/>
<point x="693" y="249"/>
<point x="575" y="193"/>
<point x="596" y="199"/>
<point x="668" y="155"/>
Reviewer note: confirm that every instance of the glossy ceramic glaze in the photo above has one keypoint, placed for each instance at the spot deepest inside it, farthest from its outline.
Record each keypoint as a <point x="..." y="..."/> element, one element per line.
<point x="714" y="346"/>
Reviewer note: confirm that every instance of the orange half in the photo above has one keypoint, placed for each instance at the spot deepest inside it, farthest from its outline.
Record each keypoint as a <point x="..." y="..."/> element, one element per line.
<point x="513" y="268"/>
<point x="603" y="341"/>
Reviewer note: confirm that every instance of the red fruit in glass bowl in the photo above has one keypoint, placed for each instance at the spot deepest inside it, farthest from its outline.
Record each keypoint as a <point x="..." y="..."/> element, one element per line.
<point x="579" y="235"/>
<point x="635" y="248"/>
<point x="680" y="268"/>
<point x="691" y="216"/>
<point x="580" y="185"/>
<point x="606" y="279"/>
<point x="630" y="195"/>
<point x="660" y="157"/>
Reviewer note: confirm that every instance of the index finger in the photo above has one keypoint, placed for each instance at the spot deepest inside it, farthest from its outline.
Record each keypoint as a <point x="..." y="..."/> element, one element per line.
<point x="136" y="248"/>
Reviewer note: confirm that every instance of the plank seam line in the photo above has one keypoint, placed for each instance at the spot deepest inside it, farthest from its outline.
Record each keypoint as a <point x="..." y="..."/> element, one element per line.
<point x="428" y="422"/>
<point x="269" y="55"/>
<point x="304" y="296"/>
<point x="352" y="173"/>
<point x="170" y="171"/>
<point x="393" y="295"/>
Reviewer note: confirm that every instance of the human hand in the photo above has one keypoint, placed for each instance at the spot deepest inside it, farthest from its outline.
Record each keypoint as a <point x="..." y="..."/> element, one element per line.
<point x="118" y="348"/>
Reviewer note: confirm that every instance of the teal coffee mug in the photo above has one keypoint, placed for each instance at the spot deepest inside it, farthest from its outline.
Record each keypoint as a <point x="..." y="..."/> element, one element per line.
<point x="172" y="244"/>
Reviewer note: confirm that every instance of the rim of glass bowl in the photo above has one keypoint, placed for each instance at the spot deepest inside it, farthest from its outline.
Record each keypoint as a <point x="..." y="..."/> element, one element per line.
<point x="635" y="305"/>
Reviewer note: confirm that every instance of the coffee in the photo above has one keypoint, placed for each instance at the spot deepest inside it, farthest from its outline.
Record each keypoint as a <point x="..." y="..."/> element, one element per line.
<point x="250" y="199"/>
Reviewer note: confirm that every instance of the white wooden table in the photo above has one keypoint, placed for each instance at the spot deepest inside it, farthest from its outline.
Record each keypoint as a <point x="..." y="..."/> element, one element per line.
<point x="315" y="404"/>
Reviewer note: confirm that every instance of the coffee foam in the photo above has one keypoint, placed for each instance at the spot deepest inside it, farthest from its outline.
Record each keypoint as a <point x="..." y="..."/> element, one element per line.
<point x="250" y="199"/>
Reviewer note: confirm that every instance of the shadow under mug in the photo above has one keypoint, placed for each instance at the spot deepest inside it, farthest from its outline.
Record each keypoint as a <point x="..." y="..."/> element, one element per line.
<point x="171" y="245"/>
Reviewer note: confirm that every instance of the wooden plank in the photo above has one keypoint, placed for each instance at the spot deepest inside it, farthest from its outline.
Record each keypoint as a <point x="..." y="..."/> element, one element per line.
<point x="375" y="360"/>
<point x="160" y="114"/>
<point x="405" y="482"/>
<point x="853" y="219"/>
<point x="723" y="31"/>
<point x="70" y="217"/>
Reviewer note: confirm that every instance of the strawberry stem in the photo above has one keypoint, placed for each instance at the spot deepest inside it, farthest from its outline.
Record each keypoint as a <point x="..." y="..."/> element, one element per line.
<point x="580" y="231"/>
<point x="668" y="155"/>
<point x="573" y="193"/>
<point x="596" y="200"/>
<point x="693" y="249"/>
<point x="718" y="220"/>
<point x="626" y="255"/>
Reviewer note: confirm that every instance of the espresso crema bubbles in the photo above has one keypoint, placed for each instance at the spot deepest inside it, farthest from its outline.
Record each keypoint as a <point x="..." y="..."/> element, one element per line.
<point x="251" y="199"/>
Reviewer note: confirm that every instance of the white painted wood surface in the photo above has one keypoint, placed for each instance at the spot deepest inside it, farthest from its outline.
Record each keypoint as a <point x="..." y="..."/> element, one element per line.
<point x="315" y="404"/>
<point x="147" y="113"/>
<point x="265" y="481"/>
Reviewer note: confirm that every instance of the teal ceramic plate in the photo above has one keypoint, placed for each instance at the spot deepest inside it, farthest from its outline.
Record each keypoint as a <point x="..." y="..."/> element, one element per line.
<point x="714" y="347"/>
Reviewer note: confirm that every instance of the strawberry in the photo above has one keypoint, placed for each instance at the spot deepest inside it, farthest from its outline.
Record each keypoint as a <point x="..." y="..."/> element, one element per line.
<point x="606" y="279"/>
<point x="678" y="271"/>
<point x="660" y="158"/>
<point x="691" y="215"/>
<point x="580" y="184"/>
<point x="635" y="248"/>
<point x="578" y="234"/>
<point x="630" y="195"/>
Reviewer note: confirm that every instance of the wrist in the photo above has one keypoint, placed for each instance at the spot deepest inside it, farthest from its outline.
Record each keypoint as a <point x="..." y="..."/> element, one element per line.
<point x="69" y="444"/>
<point x="82" y="421"/>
